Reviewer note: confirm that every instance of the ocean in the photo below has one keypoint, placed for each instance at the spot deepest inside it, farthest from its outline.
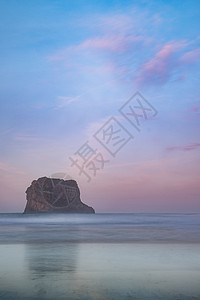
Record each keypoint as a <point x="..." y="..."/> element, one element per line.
<point x="100" y="256"/>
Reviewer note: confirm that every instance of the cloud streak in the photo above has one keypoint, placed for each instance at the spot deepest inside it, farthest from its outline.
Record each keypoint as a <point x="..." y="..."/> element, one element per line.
<point x="189" y="147"/>
<point x="4" y="167"/>
<point x="166" y="63"/>
<point x="105" y="44"/>
<point x="190" y="57"/>
<point x="65" y="100"/>
<point x="129" y="50"/>
<point x="158" y="69"/>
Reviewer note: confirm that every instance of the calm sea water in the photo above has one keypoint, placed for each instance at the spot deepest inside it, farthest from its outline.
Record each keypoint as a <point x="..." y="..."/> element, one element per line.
<point x="101" y="256"/>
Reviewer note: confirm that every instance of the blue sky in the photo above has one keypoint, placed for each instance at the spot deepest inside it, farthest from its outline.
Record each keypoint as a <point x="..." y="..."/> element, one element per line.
<point x="68" y="66"/>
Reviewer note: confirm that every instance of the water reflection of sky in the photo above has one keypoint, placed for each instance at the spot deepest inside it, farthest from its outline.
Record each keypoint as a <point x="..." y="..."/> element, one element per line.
<point x="99" y="271"/>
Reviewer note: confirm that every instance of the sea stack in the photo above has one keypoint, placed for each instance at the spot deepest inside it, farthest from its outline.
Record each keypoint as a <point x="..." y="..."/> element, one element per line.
<point x="52" y="195"/>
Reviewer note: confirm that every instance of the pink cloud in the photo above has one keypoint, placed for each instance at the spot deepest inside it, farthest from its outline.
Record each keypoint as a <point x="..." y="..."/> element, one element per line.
<point x="115" y="33"/>
<point x="163" y="65"/>
<point x="117" y="41"/>
<point x="100" y="56"/>
<point x="193" y="112"/>
<point x="190" y="57"/>
<point x="195" y="108"/>
<point x="113" y="43"/>
<point x="190" y="147"/>
<point x="160" y="67"/>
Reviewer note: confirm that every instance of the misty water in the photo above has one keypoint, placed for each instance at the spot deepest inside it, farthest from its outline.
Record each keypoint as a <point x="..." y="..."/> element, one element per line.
<point x="101" y="256"/>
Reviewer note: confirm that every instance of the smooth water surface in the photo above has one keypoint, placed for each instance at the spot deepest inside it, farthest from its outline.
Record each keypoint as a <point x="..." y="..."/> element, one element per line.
<point x="101" y="256"/>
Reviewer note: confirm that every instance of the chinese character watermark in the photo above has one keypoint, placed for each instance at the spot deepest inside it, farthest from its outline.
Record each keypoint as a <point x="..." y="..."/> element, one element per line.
<point x="112" y="136"/>
<point x="136" y="109"/>
<point x="88" y="161"/>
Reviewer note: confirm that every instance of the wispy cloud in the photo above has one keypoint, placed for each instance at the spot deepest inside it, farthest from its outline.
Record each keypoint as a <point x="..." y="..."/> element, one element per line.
<point x="159" y="68"/>
<point x="124" y="48"/>
<point x="189" y="147"/>
<point x="65" y="100"/>
<point x="26" y="138"/>
<point x="10" y="169"/>
<point x="105" y="44"/>
<point x="111" y="43"/>
<point x="190" y="57"/>
<point x="195" y="108"/>
<point x="107" y="53"/>
<point x="115" y="32"/>
<point x="193" y="112"/>
<point x="166" y="63"/>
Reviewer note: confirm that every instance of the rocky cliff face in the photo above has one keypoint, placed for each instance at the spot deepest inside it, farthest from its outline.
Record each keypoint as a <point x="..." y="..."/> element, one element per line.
<point x="50" y="195"/>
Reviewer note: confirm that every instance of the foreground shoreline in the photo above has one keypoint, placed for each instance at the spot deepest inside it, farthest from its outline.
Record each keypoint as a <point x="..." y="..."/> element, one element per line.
<point x="99" y="257"/>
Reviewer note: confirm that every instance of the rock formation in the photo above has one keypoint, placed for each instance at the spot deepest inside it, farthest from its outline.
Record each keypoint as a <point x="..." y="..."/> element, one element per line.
<point x="51" y="195"/>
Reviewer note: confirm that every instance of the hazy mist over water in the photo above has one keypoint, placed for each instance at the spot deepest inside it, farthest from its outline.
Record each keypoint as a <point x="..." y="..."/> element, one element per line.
<point x="17" y="228"/>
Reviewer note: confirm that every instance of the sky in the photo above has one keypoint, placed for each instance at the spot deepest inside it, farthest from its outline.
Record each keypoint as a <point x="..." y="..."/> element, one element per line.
<point x="74" y="73"/>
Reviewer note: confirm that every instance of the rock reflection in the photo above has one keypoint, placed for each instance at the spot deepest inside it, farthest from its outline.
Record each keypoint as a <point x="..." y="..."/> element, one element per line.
<point x="50" y="263"/>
